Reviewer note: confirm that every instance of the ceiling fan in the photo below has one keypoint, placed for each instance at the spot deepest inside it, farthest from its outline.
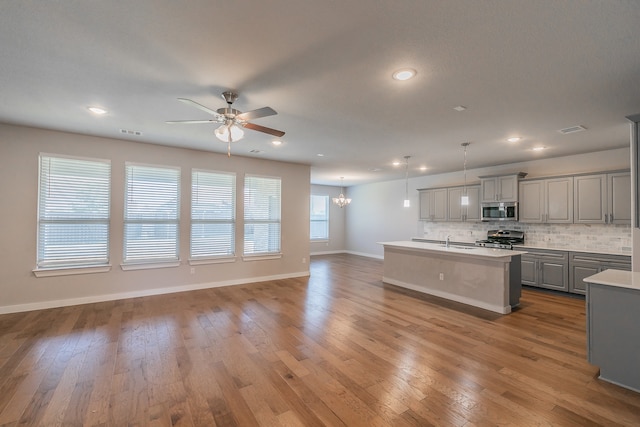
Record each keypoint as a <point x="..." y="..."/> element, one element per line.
<point x="232" y="121"/>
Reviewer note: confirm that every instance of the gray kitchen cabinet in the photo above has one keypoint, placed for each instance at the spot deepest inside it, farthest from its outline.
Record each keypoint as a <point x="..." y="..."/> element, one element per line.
<point x="583" y="264"/>
<point x="545" y="269"/>
<point x="613" y="336"/>
<point x="501" y="188"/>
<point x="457" y="212"/>
<point x="546" y="200"/>
<point x="603" y="198"/>
<point x="433" y="204"/>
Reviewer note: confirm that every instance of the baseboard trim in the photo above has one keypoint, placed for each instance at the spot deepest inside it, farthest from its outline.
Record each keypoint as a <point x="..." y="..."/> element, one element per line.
<point x="18" y="308"/>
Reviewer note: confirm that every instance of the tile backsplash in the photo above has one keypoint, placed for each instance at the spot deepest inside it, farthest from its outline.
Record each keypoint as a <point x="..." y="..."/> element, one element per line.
<point x="589" y="237"/>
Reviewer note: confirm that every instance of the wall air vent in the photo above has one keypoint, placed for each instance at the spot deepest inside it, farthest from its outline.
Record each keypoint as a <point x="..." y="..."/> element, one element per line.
<point x="131" y="132"/>
<point x="572" y="129"/>
<point x="255" y="151"/>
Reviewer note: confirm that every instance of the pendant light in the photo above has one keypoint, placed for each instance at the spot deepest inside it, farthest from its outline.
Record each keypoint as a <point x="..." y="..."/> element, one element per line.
<point x="341" y="200"/>
<point x="464" y="200"/>
<point x="407" y="202"/>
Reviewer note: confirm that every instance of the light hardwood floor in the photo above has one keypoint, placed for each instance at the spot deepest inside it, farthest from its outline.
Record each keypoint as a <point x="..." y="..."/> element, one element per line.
<point x="336" y="349"/>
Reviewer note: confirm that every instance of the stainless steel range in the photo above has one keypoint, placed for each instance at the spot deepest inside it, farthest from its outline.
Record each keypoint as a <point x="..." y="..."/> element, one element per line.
<point x="502" y="239"/>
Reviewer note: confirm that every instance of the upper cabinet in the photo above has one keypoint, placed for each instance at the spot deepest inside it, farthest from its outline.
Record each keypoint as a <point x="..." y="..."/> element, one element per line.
<point x="503" y="188"/>
<point x="444" y="204"/>
<point x="603" y="198"/>
<point x="547" y="200"/>
<point x="433" y="204"/>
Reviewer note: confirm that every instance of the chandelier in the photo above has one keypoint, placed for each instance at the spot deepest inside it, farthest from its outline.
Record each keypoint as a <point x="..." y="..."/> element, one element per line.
<point x="341" y="200"/>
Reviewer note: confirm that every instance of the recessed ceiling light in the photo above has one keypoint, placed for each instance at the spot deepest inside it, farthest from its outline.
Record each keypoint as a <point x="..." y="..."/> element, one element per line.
<point x="460" y="108"/>
<point x="404" y="74"/>
<point x="538" y="148"/>
<point x="320" y="155"/>
<point x="423" y="168"/>
<point x="276" y="142"/>
<point x="396" y="163"/>
<point x="97" y="110"/>
<point x="514" y="139"/>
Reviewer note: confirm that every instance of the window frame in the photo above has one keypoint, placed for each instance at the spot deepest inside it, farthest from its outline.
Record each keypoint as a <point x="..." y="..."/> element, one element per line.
<point x="101" y="215"/>
<point x="213" y="258"/>
<point x="248" y="221"/>
<point x="324" y="220"/>
<point x="135" y="263"/>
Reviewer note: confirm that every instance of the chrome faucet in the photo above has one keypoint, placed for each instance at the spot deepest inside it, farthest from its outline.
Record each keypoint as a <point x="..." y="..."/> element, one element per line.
<point x="447" y="241"/>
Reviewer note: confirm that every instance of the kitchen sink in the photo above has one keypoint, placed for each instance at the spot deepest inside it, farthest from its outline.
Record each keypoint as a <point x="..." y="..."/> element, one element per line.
<point x="457" y="247"/>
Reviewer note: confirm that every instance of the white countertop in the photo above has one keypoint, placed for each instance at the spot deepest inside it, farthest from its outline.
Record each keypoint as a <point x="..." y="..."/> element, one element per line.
<point x="454" y="249"/>
<point x="617" y="278"/>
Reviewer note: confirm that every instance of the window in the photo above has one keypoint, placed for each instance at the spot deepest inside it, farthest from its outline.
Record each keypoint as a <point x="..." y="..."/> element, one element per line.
<point x="73" y="212"/>
<point x="319" y="217"/>
<point x="213" y="214"/>
<point x="261" y="215"/>
<point x="151" y="214"/>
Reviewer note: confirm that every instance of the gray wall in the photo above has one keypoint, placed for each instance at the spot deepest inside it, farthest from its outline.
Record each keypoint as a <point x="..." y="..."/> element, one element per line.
<point x="21" y="290"/>
<point x="336" y="241"/>
<point x="376" y="213"/>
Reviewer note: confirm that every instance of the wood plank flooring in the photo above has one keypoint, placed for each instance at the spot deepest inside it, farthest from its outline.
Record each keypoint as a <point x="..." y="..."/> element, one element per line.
<point x="337" y="349"/>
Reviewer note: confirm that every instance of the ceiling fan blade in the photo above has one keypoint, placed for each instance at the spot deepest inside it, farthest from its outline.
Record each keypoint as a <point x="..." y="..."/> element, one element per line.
<point x="256" y="114"/>
<point x="259" y="128"/>
<point x="173" y="122"/>
<point x="200" y="106"/>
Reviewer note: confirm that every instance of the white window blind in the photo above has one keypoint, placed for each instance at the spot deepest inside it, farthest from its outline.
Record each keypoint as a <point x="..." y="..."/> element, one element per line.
<point x="213" y="214"/>
<point x="261" y="215"/>
<point x="73" y="212"/>
<point x="319" y="209"/>
<point x="151" y="213"/>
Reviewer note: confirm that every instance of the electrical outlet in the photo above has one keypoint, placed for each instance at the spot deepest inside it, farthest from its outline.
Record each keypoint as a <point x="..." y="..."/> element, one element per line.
<point x="441" y="276"/>
<point x="193" y="270"/>
<point x="304" y="260"/>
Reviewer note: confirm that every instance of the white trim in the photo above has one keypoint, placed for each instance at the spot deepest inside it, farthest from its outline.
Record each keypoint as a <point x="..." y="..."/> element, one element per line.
<point x="366" y="254"/>
<point x="18" y="308"/>
<point x="449" y="296"/>
<point x="68" y="271"/>
<point x="149" y="265"/>
<point x="220" y="260"/>
<point x="260" y="257"/>
<point x="328" y="252"/>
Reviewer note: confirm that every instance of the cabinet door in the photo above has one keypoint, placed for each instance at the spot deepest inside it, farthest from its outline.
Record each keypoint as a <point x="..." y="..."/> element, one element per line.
<point x="554" y="274"/>
<point x="455" y="211"/>
<point x="425" y="204"/>
<point x="473" y="210"/>
<point x="529" y="270"/>
<point x="531" y="201"/>
<point x="489" y="189"/>
<point x="590" y="199"/>
<point x="619" y="186"/>
<point x="559" y="200"/>
<point x="508" y="188"/>
<point x="439" y="204"/>
<point x="578" y="273"/>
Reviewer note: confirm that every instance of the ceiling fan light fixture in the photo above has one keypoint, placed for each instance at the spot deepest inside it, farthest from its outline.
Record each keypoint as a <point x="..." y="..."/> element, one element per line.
<point x="229" y="133"/>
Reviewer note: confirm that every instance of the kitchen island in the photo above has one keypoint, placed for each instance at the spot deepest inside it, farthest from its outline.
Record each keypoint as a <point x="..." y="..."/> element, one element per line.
<point x="481" y="277"/>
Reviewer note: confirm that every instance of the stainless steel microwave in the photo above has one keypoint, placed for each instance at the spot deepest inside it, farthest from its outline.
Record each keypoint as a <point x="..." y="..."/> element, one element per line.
<point x="499" y="211"/>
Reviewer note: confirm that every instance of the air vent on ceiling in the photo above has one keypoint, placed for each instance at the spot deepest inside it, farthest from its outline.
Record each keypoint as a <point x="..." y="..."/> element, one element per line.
<point x="255" y="151"/>
<point x="131" y="132"/>
<point x="572" y="129"/>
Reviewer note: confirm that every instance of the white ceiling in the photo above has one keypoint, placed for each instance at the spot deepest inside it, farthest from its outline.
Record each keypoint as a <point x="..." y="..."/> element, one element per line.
<point x="521" y="67"/>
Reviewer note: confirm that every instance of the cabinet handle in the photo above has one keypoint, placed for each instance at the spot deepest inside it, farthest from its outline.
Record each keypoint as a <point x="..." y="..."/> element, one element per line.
<point x="606" y="218"/>
<point x="611" y="218"/>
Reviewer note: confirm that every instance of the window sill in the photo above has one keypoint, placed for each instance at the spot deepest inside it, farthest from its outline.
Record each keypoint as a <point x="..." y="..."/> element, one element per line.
<point x="220" y="260"/>
<point x="68" y="271"/>
<point x="261" y="257"/>
<point x="319" y="240"/>
<point x="149" y="265"/>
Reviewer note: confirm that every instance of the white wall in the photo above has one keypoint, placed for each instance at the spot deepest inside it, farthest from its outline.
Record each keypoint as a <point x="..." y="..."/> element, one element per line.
<point x="21" y="290"/>
<point x="376" y="213"/>
<point x="336" y="241"/>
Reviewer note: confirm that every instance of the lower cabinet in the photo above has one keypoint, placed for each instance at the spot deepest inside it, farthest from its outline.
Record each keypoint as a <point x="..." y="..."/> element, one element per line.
<point x="582" y="264"/>
<point x="546" y="269"/>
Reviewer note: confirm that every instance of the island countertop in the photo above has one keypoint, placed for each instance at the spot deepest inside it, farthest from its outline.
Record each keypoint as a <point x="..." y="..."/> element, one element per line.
<point x="472" y="251"/>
